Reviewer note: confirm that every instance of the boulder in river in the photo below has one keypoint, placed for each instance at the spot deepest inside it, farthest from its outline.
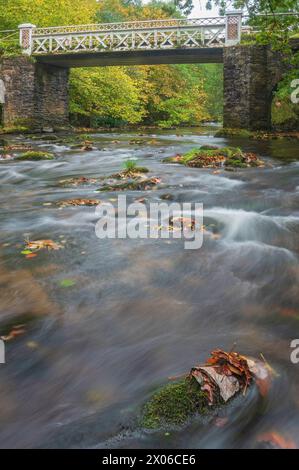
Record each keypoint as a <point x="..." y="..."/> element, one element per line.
<point x="224" y="376"/>
<point x="35" y="155"/>
<point x="210" y="157"/>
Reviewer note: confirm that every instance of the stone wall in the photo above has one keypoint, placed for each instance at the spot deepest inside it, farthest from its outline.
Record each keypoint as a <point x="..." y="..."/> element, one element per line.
<point x="18" y="75"/>
<point x="35" y="95"/>
<point x="251" y="74"/>
<point x="52" y="104"/>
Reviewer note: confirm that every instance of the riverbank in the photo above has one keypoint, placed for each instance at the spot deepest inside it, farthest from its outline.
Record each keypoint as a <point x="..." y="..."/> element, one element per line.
<point x="217" y="131"/>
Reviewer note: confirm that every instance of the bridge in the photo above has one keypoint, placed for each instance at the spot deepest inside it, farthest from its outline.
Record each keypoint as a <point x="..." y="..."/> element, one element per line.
<point x="133" y="43"/>
<point x="36" y="92"/>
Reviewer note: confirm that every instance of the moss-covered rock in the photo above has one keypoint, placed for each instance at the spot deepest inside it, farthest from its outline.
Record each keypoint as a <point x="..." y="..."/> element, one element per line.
<point x="14" y="130"/>
<point x="235" y="162"/>
<point x="35" y="156"/>
<point x="174" y="404"/>
<point x="138" y="185"/>
<point x="204" y="157"/>
<point x="130" y="173"/>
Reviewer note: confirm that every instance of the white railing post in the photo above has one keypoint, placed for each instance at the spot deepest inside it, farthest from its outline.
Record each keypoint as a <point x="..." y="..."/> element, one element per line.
<point x="26" y="31"/>
<point x="233" y="27"/>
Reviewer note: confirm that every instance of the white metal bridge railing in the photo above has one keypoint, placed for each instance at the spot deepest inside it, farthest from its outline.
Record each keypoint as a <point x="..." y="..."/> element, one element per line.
<point x="130" y="36"/>
<point x="134" y="35"/>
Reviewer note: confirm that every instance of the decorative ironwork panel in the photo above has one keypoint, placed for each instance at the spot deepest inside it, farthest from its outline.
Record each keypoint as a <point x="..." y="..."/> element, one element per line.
<point x="233" y="27"/>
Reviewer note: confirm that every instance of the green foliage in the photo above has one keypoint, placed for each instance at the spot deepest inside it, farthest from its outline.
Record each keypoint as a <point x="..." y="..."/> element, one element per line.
<point x="104" y="93"/>
<point x="9" y="46"/>
<point x="285" y="114"/>
<point x="46" y="12"/>
<point x="212" y="76"/>
<point x="167" y="95"/>
<point x="130" y="165"/>
<point x="67" y="283"/>
<point x="173" y="95"/>
<point x="186" y="6"/>
<point x="14" y="129"/>
<point x="174" y="404"/>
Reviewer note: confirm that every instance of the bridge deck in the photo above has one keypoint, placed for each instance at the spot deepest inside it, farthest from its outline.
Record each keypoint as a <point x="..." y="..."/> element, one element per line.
<point x="147" y="57"/>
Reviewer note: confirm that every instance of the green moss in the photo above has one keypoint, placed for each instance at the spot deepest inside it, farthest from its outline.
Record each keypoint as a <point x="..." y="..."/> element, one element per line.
<point x="143" y="185"/>
<point x="35" y="155"/>
<point x="14" y="130"/>
<point x="174" y="404"/>
<point x="209" y="157"/>
<point x="212" y="157"/>
<point x="10" y="47"/>
<point x="243" y="133"/>
<point x="235" y="163"/>
<point x="136" y="169"/>
<point x="286" y="115"/>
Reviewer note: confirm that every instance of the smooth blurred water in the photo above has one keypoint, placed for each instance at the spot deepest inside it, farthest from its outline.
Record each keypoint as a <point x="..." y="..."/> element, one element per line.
<point x="143" y="310"/>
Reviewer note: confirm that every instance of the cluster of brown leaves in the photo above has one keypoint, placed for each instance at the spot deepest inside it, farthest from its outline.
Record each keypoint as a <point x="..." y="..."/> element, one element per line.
<point x="79" y="202"/>
<point x="43" y="244"/>
<point x="78" y="181"/>
<point x="87" y="146"/>
<point x="277" y="135"/>
<point x="252" y="159"/>
<point x="127" y="174"/>
<point x="223" y="375"/>
<point x="182" y="223"/>
<point x="17" y="147"/>
<point x="207" y="161"/>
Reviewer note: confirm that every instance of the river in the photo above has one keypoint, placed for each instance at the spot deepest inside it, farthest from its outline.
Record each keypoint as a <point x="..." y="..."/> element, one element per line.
<point x="139" y="311"/>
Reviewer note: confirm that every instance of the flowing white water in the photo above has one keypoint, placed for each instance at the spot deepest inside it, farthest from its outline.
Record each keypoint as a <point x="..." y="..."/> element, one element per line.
<point x="142" y="310"/>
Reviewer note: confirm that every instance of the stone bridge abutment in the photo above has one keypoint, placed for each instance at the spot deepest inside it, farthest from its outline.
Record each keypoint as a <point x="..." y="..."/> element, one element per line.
<point x="251" y="73"/>
<point x="36" y="95"/>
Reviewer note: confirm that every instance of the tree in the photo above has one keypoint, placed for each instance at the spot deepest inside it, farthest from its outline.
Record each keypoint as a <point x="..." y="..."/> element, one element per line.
<point x="46" y="12"/>
<point x="175" y="95"/>
<point x="104" y="95"/>
<point x="255" y="7"/>
<point x="186" y="6"/>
